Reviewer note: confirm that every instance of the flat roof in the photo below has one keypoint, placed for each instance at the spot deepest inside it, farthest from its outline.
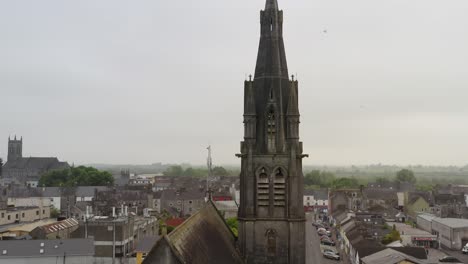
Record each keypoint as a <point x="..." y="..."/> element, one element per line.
<point x="46" y="248"/>
<point x="452" y="222"/>
<point x="407" y="230"/>
<point x="427" y="217"/>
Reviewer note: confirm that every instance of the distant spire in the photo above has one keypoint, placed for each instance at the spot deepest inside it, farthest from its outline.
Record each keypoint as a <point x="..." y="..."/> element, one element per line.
<point x="271" y="4"/>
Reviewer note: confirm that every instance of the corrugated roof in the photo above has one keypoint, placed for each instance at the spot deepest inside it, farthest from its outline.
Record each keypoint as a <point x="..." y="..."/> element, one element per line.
<point x="64" y="224"/>
<point x="28" y="227"/>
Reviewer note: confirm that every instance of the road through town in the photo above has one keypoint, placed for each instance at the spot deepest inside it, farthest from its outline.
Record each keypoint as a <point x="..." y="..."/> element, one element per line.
<point x="313" y="251"/>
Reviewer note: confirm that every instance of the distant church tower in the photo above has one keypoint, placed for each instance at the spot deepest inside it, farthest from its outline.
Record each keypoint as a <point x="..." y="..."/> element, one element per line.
<point x="15" y="149"/>
<point x="271" y="213"/>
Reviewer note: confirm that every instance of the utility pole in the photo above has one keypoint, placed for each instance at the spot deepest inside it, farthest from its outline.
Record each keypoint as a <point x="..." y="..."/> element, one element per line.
<point x="113" y="242"/>
<point x="209" y="164"/>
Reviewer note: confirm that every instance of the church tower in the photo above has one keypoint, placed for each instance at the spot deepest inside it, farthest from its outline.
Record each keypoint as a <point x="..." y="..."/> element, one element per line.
<point x="15" y="149"/>
<point x="271" y="213"/>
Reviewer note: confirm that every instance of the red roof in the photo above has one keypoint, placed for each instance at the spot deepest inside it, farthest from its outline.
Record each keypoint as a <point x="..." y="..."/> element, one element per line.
<point x="174" y="222"/>
<point x="221" y="198"/>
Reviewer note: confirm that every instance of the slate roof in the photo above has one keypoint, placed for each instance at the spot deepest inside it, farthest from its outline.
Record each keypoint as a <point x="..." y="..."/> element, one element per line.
<point x="89" y="191"/>
<point x="51" y="248"/>
<point x="385" y="185"/>
<point x="190" y="194"/>
<point x="390" y="256"/>
<point x="202" y="238"/>
<point x="448" y="198"/>
<point x="36" y="163"/>
<point x="367" y="248"/>
<point x="321" y="194"/>
<point x="381" y="194"/>
<point x="146" y="244"/>
<point x="414" y="196"/>
<point x="21" y="192"/>
<point x="417" y="252"/>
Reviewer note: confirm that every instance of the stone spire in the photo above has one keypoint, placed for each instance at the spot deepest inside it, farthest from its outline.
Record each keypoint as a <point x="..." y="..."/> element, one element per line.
<point x="271" y="4"/>
<point x="271" y="178"/>
<point x="271" y="60"/>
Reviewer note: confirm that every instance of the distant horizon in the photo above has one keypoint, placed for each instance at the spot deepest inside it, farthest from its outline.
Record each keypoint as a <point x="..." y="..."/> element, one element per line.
<point x="304" y="165"/>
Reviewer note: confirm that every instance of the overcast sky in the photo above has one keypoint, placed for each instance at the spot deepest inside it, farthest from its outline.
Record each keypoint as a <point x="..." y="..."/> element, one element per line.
<point x="115" y="81"/>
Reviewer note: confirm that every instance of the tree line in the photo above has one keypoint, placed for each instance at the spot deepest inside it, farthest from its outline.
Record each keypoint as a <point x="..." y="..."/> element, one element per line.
<point x="324" y="179"/>
<point x="177" y="171"/>
<point x="76" y="176"/>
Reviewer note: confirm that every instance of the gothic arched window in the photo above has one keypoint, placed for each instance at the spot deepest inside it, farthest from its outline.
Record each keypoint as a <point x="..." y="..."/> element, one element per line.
<point x="271" y="242"/>
<point x="271" y="130"/>
<point x="280" y="188"/>
<point x="263" y="187"/>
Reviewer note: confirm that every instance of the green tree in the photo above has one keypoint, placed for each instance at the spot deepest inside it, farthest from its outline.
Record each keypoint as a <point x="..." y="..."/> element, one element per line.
<point x="189" y="172"/>
<point x="233" y="225"/>
<point x="406" y="175"/>
<point x="322" y="179"/>
<point x="54" y="212"/>
<point x="345" y="183"/>
<point x="76" y="176"/>
<point x="174" y="171"/>
<point x="382" y="180"/>
<point x="220" y="171"/>
<point x="394" y="235"/>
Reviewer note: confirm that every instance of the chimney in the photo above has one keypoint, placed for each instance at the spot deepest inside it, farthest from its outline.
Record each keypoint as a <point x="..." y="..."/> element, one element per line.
<point x="113" y="212"/>
<point x="126" y="210"/>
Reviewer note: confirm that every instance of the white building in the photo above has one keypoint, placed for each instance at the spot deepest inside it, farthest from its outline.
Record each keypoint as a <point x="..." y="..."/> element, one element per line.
<point x="29" y="201"/>
<point x="316" y="198"/>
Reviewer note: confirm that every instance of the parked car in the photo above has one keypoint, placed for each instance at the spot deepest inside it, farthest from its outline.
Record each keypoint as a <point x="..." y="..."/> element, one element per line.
<point x="327" y="243"/>
<point x="324" y="233"/>
<point x="331" y="255"/>
<point x="465" y="249"/>
<point x="449" y="259"/>
<point x="331" y="250"/>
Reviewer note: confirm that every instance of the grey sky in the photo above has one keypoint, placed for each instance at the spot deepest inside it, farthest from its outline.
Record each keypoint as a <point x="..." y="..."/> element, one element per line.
<point x="143" y="81"/>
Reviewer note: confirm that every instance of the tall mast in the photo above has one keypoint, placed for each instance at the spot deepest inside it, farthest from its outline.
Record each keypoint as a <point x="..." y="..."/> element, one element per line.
<point x="209" y="165"/>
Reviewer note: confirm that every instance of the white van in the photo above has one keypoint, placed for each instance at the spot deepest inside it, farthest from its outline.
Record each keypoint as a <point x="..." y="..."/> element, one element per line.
<point x="465" y="249"/>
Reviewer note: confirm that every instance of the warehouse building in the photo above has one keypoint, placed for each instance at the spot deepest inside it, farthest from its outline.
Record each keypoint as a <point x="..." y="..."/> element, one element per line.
<point x="451" y="232"/>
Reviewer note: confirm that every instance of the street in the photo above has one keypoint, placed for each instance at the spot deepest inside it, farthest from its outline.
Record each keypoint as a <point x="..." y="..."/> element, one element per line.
<point x="313" y="251"/>
<point x="456" y="253"/>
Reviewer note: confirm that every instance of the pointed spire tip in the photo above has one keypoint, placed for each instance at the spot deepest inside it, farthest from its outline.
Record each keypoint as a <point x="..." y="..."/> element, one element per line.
<point x="271" y="4"/>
